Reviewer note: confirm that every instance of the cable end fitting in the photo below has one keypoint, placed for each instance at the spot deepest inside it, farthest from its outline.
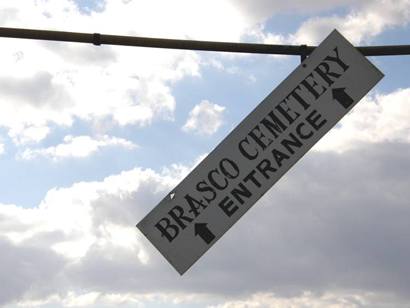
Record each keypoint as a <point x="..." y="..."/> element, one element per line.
<point x="97" y="39"/>
<point x="303" y="52"/>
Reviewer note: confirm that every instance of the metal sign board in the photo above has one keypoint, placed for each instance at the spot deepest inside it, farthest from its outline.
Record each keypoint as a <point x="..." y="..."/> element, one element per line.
<point x="259" y="151"/>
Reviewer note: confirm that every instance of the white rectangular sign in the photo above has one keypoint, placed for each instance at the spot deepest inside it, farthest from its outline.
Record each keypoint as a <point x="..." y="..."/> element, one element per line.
<point x="259" y="151"/>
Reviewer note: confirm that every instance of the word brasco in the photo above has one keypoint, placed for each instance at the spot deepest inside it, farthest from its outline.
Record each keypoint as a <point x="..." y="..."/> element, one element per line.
<point x="267" y="146"/>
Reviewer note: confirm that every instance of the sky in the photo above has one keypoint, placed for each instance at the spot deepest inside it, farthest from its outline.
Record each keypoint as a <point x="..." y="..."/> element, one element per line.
<point x="92" y="138"/>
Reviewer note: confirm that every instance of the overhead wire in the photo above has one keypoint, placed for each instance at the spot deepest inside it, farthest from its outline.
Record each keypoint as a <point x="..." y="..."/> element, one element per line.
<point x="106" y="39"/>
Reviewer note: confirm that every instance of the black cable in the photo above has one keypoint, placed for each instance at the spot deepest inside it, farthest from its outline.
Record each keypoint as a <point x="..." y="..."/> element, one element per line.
<point x="104" y="39"/>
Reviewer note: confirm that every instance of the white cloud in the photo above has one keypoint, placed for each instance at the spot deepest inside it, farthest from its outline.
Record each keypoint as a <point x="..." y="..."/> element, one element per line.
<point x="376" y="119"/>
<point x="69" y="226"/>
<point x="45" y="84"/>
<point x="48" y="83"/>
<point x="77" y="147"/>
<point x="28" y="134"/>
<point x="365" y="21"/>
<point x="205" y="118"/>
<point x="301" y="243"/>
<point x="83" y="237"/>
<point x="332" y="300"/>
<point x="260" y="10"/>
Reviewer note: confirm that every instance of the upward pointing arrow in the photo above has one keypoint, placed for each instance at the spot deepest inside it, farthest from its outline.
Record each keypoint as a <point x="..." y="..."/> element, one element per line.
<point x="202" y="230"/>
<point x="342" y="97"/>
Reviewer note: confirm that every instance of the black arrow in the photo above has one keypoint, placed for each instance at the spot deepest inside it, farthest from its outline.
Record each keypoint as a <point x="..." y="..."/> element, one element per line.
<point x="342" y="97"/>
<point x="202" y="230"/>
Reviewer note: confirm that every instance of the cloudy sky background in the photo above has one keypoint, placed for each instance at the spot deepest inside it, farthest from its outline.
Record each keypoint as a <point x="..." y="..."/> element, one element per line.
<point x="91" y="138"/>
